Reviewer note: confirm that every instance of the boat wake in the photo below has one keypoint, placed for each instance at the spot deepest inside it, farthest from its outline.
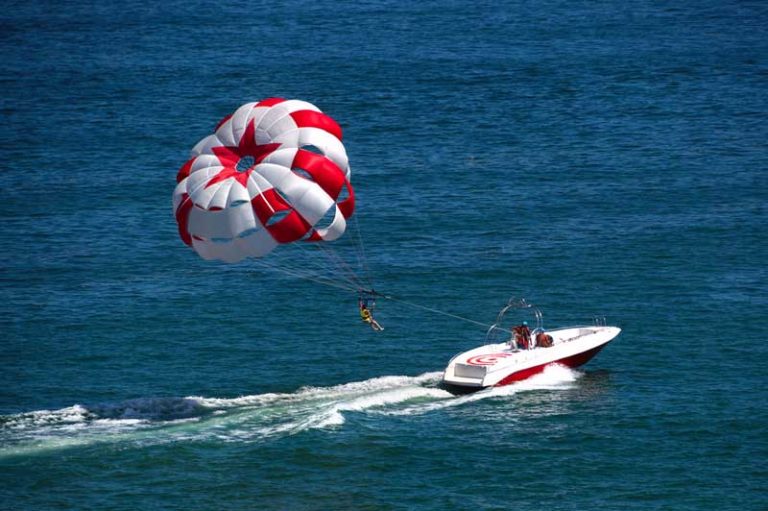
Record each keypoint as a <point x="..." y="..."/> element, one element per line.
<point x="149" y="421"/>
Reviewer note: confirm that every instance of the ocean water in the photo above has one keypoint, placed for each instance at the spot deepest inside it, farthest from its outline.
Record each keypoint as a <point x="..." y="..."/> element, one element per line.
<point x="594" y="157"/>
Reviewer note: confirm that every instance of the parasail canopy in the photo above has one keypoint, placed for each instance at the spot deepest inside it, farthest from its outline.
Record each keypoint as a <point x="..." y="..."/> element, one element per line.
<point x="273" y="172"/>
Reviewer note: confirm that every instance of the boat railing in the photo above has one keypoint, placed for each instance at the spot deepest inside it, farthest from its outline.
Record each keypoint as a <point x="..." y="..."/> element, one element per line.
<point x="501" y="332"/>
<point x="497" y="335"/>
<point x="581" y="331"/>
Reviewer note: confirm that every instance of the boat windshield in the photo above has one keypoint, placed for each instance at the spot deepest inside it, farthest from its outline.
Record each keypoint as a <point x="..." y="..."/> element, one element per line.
<point x="516" y="325"/>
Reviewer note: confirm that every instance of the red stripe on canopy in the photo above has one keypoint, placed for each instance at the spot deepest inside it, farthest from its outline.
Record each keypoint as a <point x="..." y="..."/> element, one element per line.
<point x="222" y="121"/>
<point x="184" y="170"/>
<point x="291" y="228"/>
<point x="182" y="218"/>
<point x="324" y="171"/>
<point x="269" y="102"/>
<point x="312" y="119"/>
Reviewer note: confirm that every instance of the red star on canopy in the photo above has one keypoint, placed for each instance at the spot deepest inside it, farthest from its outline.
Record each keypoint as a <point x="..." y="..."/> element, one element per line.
<point x="229" y="156"/>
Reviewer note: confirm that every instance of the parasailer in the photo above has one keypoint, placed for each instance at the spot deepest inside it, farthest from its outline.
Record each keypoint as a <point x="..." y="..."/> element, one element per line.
<point x="366" y="303"/>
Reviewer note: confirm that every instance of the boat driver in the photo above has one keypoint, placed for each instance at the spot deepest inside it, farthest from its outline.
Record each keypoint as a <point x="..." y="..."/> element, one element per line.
<point x="522" y="336"/>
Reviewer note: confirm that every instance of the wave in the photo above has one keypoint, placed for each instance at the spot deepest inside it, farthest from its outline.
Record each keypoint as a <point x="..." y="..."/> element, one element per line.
<point x="245" y="418"/>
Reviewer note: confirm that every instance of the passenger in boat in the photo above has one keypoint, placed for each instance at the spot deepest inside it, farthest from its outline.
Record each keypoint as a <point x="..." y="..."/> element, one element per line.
<point x="367" y="316"/>
<point x="522" y="336"/>
<point x="544" y="340"/>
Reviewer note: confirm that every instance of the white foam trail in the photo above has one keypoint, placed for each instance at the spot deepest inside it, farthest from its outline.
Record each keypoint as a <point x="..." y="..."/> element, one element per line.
<point x="554" y="377"/>
<point x="245" y="418"/>
<point x="379" y="400"/>
<point x="149" y="420"/>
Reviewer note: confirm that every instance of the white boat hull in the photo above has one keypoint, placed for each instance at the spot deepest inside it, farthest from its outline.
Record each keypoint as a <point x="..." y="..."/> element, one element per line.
<point x="501" y="364"/>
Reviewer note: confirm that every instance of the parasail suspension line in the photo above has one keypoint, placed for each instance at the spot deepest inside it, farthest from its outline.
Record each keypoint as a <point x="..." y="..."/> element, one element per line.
<point x="306" y="276"/>
<point x="430" y="309"/>
<point x="361" y="259"/>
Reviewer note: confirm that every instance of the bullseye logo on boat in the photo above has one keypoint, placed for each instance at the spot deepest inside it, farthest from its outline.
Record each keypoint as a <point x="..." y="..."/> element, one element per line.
<point x="488" y="359"/>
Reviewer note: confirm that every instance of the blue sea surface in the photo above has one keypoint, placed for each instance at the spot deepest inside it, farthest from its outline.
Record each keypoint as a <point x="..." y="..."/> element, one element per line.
<point x="594" y="157"/>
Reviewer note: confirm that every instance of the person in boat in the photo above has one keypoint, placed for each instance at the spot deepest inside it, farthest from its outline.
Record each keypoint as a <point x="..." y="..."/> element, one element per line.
<point x="544" y="340"/>
<point x="522" y="336"/>
<point x="367" y="316"/>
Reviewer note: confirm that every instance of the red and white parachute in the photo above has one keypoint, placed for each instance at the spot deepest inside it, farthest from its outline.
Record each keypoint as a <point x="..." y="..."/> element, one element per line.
<point x="273" y="172"/>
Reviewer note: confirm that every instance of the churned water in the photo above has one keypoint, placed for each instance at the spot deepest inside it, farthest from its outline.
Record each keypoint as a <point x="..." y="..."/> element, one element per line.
<point x="594" y="157"/>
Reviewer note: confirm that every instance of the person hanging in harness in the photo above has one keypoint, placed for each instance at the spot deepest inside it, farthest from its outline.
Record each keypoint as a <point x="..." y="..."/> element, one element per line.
<point x="366" y="305"/>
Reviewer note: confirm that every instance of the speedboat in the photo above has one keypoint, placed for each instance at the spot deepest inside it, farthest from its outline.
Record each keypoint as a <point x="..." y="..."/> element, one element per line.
<point x="516" y="353"/>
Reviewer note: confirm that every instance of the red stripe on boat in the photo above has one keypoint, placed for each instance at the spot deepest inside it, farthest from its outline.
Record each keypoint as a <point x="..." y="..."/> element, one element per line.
<point x="573" y="361"/>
